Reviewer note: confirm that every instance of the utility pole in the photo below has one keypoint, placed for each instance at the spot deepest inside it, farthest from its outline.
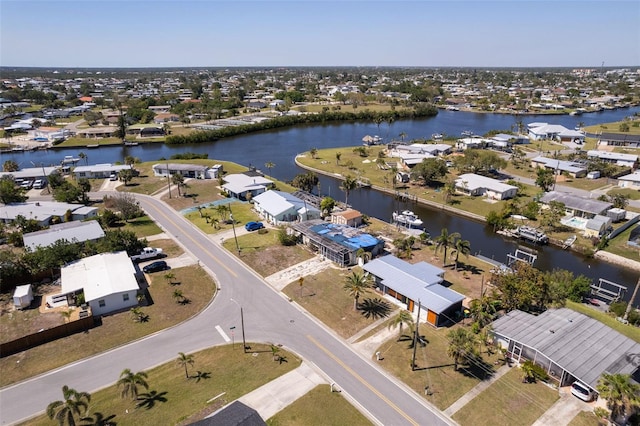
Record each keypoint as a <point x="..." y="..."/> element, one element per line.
<point x="233" y="225"/>
<point x="415" y="340"/>
<point x="630" y="305"/>
<point x="168" y="180"/>
<point x="244" y="342"/>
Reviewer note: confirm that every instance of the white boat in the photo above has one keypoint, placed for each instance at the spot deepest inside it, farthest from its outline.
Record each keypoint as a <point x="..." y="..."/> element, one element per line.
<point x="437" y="136"/>
<point x="569" y="242"/>
<point x="69" y="159"/>
<point x="532" y="234"/>
<point x="452" y="108"/>
<point x="407" y="218"/>
<point x="467" y="133"/>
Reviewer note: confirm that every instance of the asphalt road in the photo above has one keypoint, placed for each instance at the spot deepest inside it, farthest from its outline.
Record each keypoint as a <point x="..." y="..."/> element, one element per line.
<point x="268" y="317"/>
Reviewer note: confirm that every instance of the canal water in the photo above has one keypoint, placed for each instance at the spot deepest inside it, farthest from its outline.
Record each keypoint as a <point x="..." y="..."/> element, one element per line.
<point x="281" y="146"/>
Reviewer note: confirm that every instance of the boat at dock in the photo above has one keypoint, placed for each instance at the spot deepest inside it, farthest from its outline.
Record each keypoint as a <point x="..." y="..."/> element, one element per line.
<point x="371" y="140"/>
<point x="407" y="218"/>
<point x="531" y="234"/>
<point x="569" y="242"/>
<point x="69" y="159"/>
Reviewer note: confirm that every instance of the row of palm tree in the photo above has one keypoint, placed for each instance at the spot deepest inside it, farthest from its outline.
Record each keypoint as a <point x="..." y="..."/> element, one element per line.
<point x="446" y="241"/>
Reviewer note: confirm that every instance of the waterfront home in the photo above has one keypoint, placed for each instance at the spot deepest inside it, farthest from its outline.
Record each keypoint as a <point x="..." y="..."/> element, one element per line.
<point x="473" y="184"/>
<point x="411" y="284"/>
<point x="618" y="158"/>
<point x="632" y="180"/>
<point x="471" y="143"/>
<point x="572" y="168"/>
<point x="505" y="141"/>
<point x="99" y="171"/>
<point x="568" y="345"/>
<point x="577" y="206"/>
<point x="619" y="139"/>
<point x="30" y="173"/>
<point x="195" y="171"/>
<point x="557" y="132"/>
<point x="44" y="212"/>
<point x="349" y="217"/>
<point x="277" y="207"/>
<point x="96" y="132"/>
<point x="70" y="231"/>
<point x="240" y="185"/>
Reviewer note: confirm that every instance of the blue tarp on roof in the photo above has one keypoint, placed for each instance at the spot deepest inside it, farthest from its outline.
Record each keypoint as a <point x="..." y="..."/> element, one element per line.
<point x="336" y="233"/>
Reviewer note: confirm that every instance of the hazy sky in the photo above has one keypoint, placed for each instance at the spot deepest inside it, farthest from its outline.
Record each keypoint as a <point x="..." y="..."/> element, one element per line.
<point x="123" y="33"/>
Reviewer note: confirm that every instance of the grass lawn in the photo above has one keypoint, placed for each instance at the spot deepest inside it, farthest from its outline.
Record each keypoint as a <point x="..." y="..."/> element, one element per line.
<point x="614" y="127"/>
<point x="586" y="418"/>
<point x="264" y="254"/>
<point x="312" y="410"/>
<point x="116" y="329"/>
<point x="168" y="246"/>
<point x="143" y="226"/>
<point x="228" y="371"/>
<point x="508" y="401"/>
<point x="607" y="319"/>
<point x="84" y="142"/>
<point x="324" y="296"/>
<point x="434" y="368"/>
<point x="633" y="194"/>
<point x="242" y="213"/>
<point x="620" y="247"/>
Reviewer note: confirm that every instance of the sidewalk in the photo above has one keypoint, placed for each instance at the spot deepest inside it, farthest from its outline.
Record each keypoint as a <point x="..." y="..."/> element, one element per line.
<point x="269" y="399"/>
<point x="563" y="411"/>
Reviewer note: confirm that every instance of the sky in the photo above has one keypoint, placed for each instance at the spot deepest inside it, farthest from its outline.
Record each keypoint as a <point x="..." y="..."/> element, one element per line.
<point x="418" y="33"/>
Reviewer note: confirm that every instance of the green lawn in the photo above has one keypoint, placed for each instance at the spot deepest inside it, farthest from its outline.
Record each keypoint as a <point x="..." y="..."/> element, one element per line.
<point x="633" y="194"/>
<point x="312" y="410"/>
<point x="586" y="418"/>
<point x="620" y="247"/>
<point x="614" y="127"/>
<point x="84" y="142"/>
<point x="508" y="401"/>
<point x="226" y="371"/>
<point x="143" y="226"/>
<point x="434" y="368"/>
<point x="242" y="213"/>
<point x="116" y="329"/>
<point x="607" y="319"/>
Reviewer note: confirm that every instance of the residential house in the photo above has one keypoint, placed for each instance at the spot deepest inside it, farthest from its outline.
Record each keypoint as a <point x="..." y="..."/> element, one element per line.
<point x="577" y="206"/>
<point x="349" y="217"/>
<point x="160" y="109"/>
<point x="556" y="132"/>
<point x="505" y="141"/>
<point x="46" y="211"/>
<point x="619" y="139"/>
<point x="473" y="184"/>
<point x="96" y="132"/>
<point x="48" y="134"/>
<point x="338" y="243"/>
<point x="568" y="345"/>
<point x="241" y="185"/>
<point x="75" y="231"/>
<point x="99" y="171"/>
<point x="166" y="117"/>
<point x="575" y="170"/>
<point x="473" y="142"/>
<point x="108" y="281"/>
<point x="277" y="207"/>
<point x="195" y="171"/>
<point x="620" y="159"/>
<point x="30" y="173"/>
<point x="416" y="283"/>
<point x="632" y="180"/>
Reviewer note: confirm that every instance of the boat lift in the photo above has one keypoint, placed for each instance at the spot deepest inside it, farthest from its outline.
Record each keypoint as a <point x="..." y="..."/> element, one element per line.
<point x="522" y="256"/>
<point x="606" y="294"/>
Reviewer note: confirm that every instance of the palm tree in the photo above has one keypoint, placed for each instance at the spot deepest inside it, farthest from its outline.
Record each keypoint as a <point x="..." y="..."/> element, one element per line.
<point x="84" y="157"/>
<point x="185" y="360"/>
<point x="462" y="344"/>
<point x="356" y="284"/>
<point x="483" y="310"/>
<point x="378" y="119"/>
<point x="462" y="247"/>
<point x="269" y="165"/>
<point x="445" y="241"/>
<point x="402" y="136"/>
<point x="400" y="319"/>
<point x="348" y="184"/>
<point x="528" y="372"/>
<point x="313" y="152"/>
<point x="130" y="382"/>
<point x="74" y="403"/>
<point x="620" y="393"/>
<point x="169" y="277"/>
<point x="338" y="156"/>
<point x="178" y="296"/>
<point x="178" y="180"/>
<point x="66" y="315"/>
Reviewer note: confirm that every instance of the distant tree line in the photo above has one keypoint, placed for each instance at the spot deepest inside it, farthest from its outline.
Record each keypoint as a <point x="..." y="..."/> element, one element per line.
<point x="423" y="110"/>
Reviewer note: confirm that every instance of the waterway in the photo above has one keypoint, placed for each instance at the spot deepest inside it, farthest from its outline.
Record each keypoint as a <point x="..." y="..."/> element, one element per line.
<point x="281" y="146"/>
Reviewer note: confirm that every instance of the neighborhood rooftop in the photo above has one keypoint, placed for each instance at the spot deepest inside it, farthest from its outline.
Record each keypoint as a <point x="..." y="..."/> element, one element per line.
<point x="575" y="202"/>
<point x="69" y="231"/>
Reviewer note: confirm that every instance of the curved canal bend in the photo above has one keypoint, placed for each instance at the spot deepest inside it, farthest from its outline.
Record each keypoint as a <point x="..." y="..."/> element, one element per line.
<point x="281" y="146"/>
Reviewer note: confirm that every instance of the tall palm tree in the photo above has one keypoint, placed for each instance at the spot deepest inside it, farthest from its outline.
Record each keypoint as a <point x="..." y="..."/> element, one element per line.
<point x="356" y="284"/>
<point x="462" y="247"/>
<point x="130" y="382"/>
<point x="73" y="403"/>
<point x="620" y="393"/>
<point x="445" y="241"/>
<point x="84" y="157"/>
<point x="378" y="119"/>
<point x="403" y="317"/>
<point x="348" y="184"/>
<point x="178" y="180"/>
<point x="402" y="136"/>
<point x="462" y="344"/>
<point x="269" y="165"/>
<point x="338" y="156"/>
<point x="185" y="360"/>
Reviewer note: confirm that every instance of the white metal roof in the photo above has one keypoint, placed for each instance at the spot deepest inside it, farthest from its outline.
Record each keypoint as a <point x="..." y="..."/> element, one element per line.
<point x="276" y="202"/>
<point x="38" y="210"/>
<point x="473" y="181"/>
<point x="70" y="231"/>
<point x="107" y="167"/>
<point x="633" y="177"/>
<point x="100" y="275"/>
<point x="238" y="183"/>
<point x="616" y="156"/>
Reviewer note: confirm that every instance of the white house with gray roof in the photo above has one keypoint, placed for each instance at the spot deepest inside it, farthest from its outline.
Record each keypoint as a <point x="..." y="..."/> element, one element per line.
<point x="45" y="211"/>
<point x="574" y="169"/>
<point x="632" y="180"/>
<point x="69" y="231"/>
<point x="473" y="184"/>
<point x="577" y="206"/>
<point x="99" y="171"/>
<point x="196" y="171"/>
<point x="277" y="207"/>
<point x="412" y="283"/>
<point x="618" y="158"/>
<point x="568" y="345"/>
<point x="239" y="185"/>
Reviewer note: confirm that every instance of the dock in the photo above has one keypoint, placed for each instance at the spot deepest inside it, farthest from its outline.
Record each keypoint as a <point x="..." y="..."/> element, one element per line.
<point x="608" y="291"/>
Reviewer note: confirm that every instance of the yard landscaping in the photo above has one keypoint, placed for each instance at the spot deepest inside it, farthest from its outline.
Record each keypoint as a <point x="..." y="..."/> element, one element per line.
<point x="312" y="410"/>
<point x="435" y="369"/>
<point x="585" y="418"/>
<point x="178" y="400"/>
<point x="119" y="328"/>
<point x="263" y="253"/>
<point x="508" y="401"/>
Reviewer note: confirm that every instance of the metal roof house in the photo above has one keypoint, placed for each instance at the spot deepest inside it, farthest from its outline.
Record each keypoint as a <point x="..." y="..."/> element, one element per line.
<point x="69" y="231"/>
<point x="632" y="180"/>
<point x="277" y="207"/>
<point x="240" y="185"/>
<point x="619" y="139"/>
<point x="577" y="206"/>
<point x="196" y="171"/>
<point x="574" y="169"/>
<point x="570" y="346"/>
<point x="30" y="172"/>
<point x="413" y="283"/>
<point x="99" y="171"/>
<point x="473" y="184"/>
<point x="44" y="211"/>
<point x="108" y="280"/>
<point x="338" y="243"/>
<point x="620" y="159"/>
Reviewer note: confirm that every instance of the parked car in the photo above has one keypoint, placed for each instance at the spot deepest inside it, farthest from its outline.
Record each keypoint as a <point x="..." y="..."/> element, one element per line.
<point x="39" y="184"/>
<point x="582" y="391"/>
<point x="27" y="184"/>
<point x="160" y="265"/>
<point x="113" y="176"/>
<point x="253" y="226"/>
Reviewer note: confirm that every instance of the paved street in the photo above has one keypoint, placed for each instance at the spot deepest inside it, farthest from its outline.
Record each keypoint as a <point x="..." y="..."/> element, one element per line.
<point x="268" y="317"/>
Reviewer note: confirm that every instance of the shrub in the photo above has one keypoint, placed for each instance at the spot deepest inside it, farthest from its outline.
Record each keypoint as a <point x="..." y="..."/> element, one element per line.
<point x="618" y="308"/>
<point x="286" y="239"/>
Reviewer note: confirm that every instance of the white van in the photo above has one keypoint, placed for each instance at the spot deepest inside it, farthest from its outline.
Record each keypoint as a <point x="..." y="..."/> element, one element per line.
<point x="582" y="391"/>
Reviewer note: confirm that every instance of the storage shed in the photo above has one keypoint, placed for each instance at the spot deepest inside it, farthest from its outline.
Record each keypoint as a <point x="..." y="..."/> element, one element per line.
<point x="23" y="296"/>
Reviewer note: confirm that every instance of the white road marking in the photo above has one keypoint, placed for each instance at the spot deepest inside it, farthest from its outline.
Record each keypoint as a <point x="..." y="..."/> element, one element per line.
<point x="223" y="334"/>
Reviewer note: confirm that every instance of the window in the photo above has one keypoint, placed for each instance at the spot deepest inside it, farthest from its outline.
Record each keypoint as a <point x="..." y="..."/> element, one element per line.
<point x="125" y="297"/>
<point x="101" y="303"/>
